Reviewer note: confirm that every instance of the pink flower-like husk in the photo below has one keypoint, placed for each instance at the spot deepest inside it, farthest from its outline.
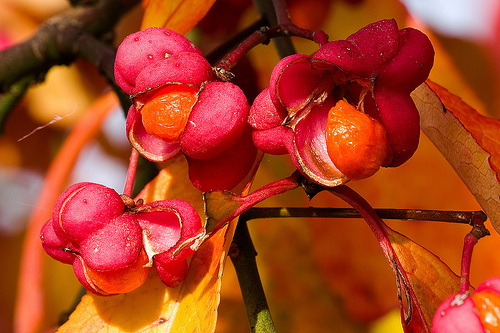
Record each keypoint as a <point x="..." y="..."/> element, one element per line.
<point x="379" y="63"/>
<point x="310" y="148"/>
<point x="149" y="146"/>
<point x="364" y="52"/>
<point x="264" y="114"/>
<point x="53" y="244"/>
<point x="171" y="272"/>
<point x="84" y="208"/>
<point x="227" y="169"/>
<point x="115" y="242"/>
<point x="491" y="284"/>
<point x="116" y="245"/>
<point x="145" y="47"/>
<point x="454" y="316"/>
<point x="183" y="68"/>
<point x="216" y="121"/>
<point x="294" y="81"/>
<point x="168" y="225"/>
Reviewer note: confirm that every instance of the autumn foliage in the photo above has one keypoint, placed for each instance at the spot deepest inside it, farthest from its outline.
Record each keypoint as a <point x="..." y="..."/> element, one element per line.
<point x="353" y="112"/>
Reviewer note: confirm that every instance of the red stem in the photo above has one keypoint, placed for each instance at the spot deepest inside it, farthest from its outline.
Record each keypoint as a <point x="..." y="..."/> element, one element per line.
<point x="267" y="191"/>
<point x="478" y="231"/>
<point x="380" y="230"/>
<point x="290" y="29"/>
<point x="469" y="241"/>
<point x="258" y="37"/>
<point x="243" y="203"/>
<point x="132" y="168"/>
<point x="263" y="36"/>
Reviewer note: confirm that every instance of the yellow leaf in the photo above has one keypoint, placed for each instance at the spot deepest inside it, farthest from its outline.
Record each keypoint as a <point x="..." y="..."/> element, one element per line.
<point x="178" y="15"/>
<point x="51" y="100"/>
<point x="154" y="307"/>
<point x="468" y="140"/>
<point x="173" y="182"/>
<point x="432" y="280"/>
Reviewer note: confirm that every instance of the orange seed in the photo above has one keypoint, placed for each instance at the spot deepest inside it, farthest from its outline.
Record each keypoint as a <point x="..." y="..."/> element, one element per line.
<point x="166" y="114"/>
<point x="121" y="280"/>
<point x="488" y="308"/>
<point x="356" y="143"/>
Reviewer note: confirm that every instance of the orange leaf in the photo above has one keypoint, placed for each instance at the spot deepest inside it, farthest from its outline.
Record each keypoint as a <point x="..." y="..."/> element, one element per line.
<point x="469" y="141"/>
<point x="432" y="280"/>
<point x="154" y="307"/>
<point x="178" y="15"/>
<point x="421" y="275"/>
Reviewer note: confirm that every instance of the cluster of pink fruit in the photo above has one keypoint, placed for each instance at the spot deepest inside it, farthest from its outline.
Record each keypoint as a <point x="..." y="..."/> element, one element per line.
<point x="179" y="107"/>
<point x="345" y="111"/>
<point x="340" y="114"/>
<point x="112" y="242"/>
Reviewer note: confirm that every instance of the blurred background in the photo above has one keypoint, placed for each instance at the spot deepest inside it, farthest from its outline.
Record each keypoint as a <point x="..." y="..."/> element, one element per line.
<point x="320" y="275"/>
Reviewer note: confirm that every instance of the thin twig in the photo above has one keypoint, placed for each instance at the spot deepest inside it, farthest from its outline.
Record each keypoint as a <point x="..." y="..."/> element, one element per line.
<point x="478" y="231"/>
<point x="464" y="217"/>
<point x="227" y="46"/>
<point x="132" y="170"/>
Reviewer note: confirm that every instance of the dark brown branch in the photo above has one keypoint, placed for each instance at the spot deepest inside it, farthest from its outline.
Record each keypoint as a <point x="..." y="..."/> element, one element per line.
<point x="464" y="217"/>
<point x="56" y="41"/>
<point x="242" y="254"/>
<point x="9" y="99"/>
